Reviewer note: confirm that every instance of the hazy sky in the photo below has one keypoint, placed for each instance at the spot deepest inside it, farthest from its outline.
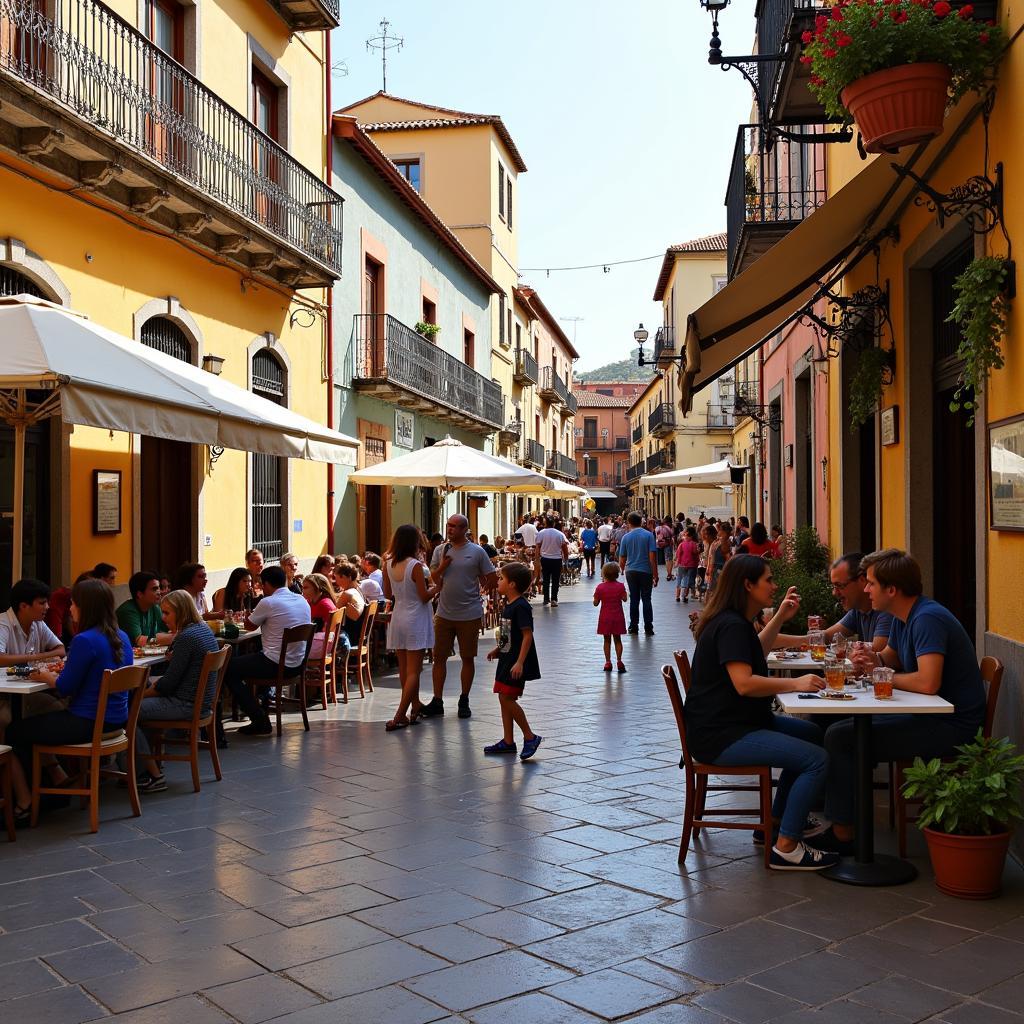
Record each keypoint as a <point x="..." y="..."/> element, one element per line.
<point x="626" y="130"/>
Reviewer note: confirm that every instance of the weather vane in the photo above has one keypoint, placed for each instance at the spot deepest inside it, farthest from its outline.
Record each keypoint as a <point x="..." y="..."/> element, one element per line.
<point x="384" y="43"/>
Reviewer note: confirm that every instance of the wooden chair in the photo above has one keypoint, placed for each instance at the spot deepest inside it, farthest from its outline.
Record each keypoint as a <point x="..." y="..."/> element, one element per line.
<point x="357" y="664"/>
<point x="697" y="785"/>
<point x="157" y="730"/>
<point x="683" y="668"/>
<point x="131" y="679"/>
<point x="6" y="793"/>
<point x="277" y="697"/>
<point x="992" y="677"/>
<point x="320" y="672"/>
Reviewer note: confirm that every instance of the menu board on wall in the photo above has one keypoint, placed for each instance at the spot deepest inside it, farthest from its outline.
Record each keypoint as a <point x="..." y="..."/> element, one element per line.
<point x="1006" y="473"/>
<point x="106" y="501"/>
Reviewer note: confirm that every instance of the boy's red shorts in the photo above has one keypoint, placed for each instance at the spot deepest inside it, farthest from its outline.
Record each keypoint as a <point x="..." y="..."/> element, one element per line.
<point x="508" y="690"/>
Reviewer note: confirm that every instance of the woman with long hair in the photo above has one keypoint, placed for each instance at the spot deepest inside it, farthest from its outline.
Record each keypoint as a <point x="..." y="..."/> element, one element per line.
<point x="98" y="645"/>
<point x="325" y="566"/>
<point x="236" y="595"/>
<point x="318" y="590"/>
<point x="411" y="627"/>
<point x="729" y="719"/>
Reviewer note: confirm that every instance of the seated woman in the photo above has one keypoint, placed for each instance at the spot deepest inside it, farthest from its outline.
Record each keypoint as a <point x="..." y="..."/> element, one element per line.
<point x="191" y="577"/>
<point x="237" y="594"/>
<point x="172" y="695"/>
<point x="728" y="711"/>
<point x="99" y="644"/>
<point x="323" y="603"/>
<point x="351" y="599"/>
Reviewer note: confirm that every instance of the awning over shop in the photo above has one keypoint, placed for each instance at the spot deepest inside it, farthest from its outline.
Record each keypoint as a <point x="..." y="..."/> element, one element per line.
<point x="714" y="474"/>
<point x="756" y="304"/>
<point x="99" y="378"/>
<point x="599" y="493"/>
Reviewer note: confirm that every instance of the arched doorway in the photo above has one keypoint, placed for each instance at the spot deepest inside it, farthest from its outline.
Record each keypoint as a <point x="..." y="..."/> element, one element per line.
<point x="36" y="541"/>
<point x="269" y="472"/>
<point x="166" y="472"/>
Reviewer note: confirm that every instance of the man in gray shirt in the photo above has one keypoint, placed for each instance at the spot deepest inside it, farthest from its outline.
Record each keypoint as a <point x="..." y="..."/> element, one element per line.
<point x="458" y="567"/>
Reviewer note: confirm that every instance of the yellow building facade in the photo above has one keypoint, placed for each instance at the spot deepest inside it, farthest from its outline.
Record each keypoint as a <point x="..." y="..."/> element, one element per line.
<point x="172" y="189"/>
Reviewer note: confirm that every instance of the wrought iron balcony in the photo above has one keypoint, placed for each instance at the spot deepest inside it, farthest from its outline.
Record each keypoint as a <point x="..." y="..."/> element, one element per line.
<point x="600" y="480"/>
<point x="552" y="387"/>
<point x="720" y="416"/>
<point x="512" y="430"/>
<point x="770" y="192"/>
<point x="101" y="108"/>
<point x="571" y="404"/>
<point x="525" y="370"/>
<point x="400" y="366"/>
<point x="562" y="465"/>
<point x="664" y="345"/>
<point x="602" y="443"/>
<point x="662" y="421"/>
<point x="638" y="433"/>
<point x="309" y="14"/>
<point x="660" y="460"/>
<point x="531" y="453"/>
<point x="636" y="470"/>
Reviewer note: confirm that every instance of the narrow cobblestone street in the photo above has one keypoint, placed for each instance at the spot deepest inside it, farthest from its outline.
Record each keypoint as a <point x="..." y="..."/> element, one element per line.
<point x="349" y="875"/>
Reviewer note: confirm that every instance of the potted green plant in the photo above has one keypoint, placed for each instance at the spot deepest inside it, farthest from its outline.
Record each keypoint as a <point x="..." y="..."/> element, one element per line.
<point x="982" y="305"/>
<point x="804" y="564"/>
<point x="969" y="805"/>
<point x="429" y="331"/>
<point x="892" y="65"/>
<point x="873" y="370"/>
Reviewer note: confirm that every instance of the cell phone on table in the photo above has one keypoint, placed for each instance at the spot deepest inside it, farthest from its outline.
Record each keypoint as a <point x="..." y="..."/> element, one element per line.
<point x="806" y="696"/>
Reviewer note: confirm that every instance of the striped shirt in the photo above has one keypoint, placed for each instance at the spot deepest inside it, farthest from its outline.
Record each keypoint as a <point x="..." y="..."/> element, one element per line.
<point x="181" y="680"/>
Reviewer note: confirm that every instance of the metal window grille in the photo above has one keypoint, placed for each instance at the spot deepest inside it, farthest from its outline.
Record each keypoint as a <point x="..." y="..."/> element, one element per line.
<point x="13" y="282"/>
<point x="268" y="471"/>
<point x="166" y="336"/>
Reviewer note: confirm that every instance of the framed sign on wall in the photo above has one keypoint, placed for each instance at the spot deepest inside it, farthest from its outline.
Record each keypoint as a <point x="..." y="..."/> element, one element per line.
<point x="1006" y="474"/>
<point x="106" y="501"/>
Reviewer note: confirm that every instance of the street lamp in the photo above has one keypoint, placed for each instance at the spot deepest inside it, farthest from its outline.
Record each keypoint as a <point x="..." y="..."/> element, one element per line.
<point x="213" y="364"/>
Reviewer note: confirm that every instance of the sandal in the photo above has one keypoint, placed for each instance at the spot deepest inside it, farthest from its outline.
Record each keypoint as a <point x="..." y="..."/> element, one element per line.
<point x="416" y="713"/>
<point x="396" y="723"/>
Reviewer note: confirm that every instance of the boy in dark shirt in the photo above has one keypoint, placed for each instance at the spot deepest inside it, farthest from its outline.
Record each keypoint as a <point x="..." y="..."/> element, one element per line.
<point x="517" y="659"/>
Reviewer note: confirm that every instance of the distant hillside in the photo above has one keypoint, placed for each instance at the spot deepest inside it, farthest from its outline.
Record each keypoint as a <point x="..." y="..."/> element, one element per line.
<point x="625" y="369"/>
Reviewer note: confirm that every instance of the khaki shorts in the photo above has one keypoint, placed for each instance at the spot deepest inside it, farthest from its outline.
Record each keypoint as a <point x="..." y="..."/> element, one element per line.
<point x="445" y="632"/>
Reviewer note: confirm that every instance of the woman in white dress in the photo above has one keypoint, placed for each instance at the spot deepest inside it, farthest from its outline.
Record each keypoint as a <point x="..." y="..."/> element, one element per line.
<point x="411" y="629"/>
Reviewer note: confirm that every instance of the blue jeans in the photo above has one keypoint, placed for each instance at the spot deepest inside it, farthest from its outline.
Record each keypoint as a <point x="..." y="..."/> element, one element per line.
<point x="640" y="584"/>
<point x="794" y="746"/>
<point x="893" y="738"/>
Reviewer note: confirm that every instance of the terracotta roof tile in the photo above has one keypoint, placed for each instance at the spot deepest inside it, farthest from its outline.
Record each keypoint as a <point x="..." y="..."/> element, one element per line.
<point x="595" y="400"/>
<point x="710" y="244"/>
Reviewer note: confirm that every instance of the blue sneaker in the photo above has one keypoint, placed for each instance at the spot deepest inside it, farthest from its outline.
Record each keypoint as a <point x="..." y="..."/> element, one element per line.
<point x="803" y="858"/>
<point x="501" y="747"/>
<point x="530" y="747"/>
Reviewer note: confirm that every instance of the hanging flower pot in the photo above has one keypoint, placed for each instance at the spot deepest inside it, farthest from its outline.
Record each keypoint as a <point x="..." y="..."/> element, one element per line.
<point x="894" y="66"/>
<point x="899" y="106"/>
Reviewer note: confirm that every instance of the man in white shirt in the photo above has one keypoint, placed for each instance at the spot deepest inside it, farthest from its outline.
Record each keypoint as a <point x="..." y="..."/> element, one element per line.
<point x="279" y="610"/>
<point x="554" y="549"/>
<point x="371" y="586"/>
<point x="604" y="540"/>
<point x="529" y="534"/>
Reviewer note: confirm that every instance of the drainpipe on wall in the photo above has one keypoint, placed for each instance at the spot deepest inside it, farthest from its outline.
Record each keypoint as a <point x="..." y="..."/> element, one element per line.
<point x="330" y="302"/>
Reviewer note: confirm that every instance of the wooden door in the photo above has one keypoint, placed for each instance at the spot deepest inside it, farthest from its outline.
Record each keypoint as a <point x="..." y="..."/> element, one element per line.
<point x="265" y="115"/>
<point x="23" y="37"/>
<point x="373" y="308"/>
<point x="165" y="29"/>
<point x="166" y="487"/>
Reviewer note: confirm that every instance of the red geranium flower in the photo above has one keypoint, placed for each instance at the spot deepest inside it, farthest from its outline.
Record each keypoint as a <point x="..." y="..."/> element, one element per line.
<point x="983" y="38"/>
<point x="941" y="9"/>
<point x="820" y="22"/>
<point x="837" y="13"/>
<point x="829" y="52"/>
<point x="899" y="16"/>
<point x="806" y="60"/>
<point x="807" y="37"/>
<point x="966" y="12"/>
<point x="843" y="39"/>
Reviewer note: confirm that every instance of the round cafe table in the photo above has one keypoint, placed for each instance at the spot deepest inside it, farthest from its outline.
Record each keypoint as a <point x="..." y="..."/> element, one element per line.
<point x="867" y="867"/>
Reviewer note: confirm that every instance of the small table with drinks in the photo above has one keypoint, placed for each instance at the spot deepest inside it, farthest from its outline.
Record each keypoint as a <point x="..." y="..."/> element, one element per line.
<point x="877" y="698"/>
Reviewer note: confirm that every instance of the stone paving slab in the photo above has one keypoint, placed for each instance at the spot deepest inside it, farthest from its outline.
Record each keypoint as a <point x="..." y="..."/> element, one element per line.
<point x="349" y="875"/>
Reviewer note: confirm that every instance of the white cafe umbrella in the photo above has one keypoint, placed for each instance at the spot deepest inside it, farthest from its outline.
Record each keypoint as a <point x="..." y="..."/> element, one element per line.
<point x="715" y="474"/>
<point x="450" y="465"/>
<point x="561" y="489"/>
<point x="55" y="362"/>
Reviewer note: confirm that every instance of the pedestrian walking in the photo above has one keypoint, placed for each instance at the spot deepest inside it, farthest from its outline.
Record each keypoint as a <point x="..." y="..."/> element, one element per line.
<point x="516" y="654"/>
<point x="553" y="546"/>
<point x="588" y="540"/>
<point x="638" y="558"/>
<point x="666" y="549"/>
<point x="604" y="540"/>
<point x="411" y="626"/>
<point x="459" y="568"/>
<point x="611" y="595"/>
<point x="687" y="562"/>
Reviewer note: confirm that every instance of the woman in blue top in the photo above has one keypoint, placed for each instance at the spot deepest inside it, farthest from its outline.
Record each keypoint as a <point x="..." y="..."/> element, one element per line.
<point x="588" y="541"/>
<point x="99" y="644"/>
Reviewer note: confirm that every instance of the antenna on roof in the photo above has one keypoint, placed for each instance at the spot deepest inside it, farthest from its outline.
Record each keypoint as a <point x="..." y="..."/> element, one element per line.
<point x="384" y="43"/>
<point x="574" y="320"/>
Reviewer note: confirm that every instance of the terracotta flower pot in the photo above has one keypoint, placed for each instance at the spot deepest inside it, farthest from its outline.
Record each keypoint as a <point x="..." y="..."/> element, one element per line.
<point x="970" y="867"/>
<point x="899" y="106"/>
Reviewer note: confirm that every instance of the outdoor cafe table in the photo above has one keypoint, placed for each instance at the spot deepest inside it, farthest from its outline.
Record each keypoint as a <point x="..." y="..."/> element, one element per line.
<point x="802" y="663"/>
<point x="867" y="867"/>
<point x="16" y="689"/>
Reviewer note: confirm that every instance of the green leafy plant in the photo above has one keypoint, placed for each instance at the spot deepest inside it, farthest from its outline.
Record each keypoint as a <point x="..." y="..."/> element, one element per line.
<point x="429" y="331"/>
<point x="867" y="382"/>
<point x="981" y="308"/>
<point x="805" y="565"/>
<point x="855" y="38"/>
<point x="974" y="794"/>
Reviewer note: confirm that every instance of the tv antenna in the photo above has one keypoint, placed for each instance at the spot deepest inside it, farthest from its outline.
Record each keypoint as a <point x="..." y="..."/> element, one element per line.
<point x="384" y="43"/>
<point x="574" y="320"/>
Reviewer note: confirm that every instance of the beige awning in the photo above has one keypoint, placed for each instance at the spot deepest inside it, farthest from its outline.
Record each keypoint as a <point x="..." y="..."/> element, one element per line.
<point x="756" y="304"/>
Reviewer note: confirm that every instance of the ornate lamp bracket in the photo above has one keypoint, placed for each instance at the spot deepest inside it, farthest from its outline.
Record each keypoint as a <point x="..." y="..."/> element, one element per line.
<point x="978" y="201"/>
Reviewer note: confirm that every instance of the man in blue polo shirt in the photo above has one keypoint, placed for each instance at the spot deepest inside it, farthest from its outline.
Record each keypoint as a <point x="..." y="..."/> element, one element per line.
<point x="932" y="654"/>
<point x="638" y="557"/>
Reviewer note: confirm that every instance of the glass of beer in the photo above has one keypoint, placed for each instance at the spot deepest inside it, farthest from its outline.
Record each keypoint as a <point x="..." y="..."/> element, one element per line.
<point x="839" y="646"/>
<point x="816" y="644"/>
<point x="814" y="622"/>
<point x="835" y="675"/>
<point x="881" y="680"/>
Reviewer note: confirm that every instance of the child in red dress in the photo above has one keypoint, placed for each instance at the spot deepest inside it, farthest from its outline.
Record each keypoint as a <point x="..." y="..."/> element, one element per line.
<point x="611" y="623"/>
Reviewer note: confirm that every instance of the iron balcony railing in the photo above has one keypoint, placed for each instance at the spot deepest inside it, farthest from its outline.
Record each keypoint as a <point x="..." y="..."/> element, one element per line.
<point x="636" y="470"/>
<point x="664" y="342"/>
<point x="770" y="191"/>
<point x="591" y="442"/>
<point x="552" y="387"/>
<point x="571" y="403"/>
<point x="601" y="480"/>
<point x="388" y="351"/>
<point x="775" y="20"/>
<point x="662" y="419"/>
<point x="563" y="465"/>
<point x="525" y="371"/>
<point x="720" y="416"/>
<point x="658" y="461"/>
<point x="638" y="433"/>
<point x="532" y="453"/>
<point x="110" y="75"/>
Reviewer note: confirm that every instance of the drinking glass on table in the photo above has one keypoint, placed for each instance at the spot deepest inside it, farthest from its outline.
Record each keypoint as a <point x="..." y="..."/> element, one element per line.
<point x="816" y="644"/>
<point x="882" y="681"/>
<point x="839" y="646"/>
<point x="835" y="675"/>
